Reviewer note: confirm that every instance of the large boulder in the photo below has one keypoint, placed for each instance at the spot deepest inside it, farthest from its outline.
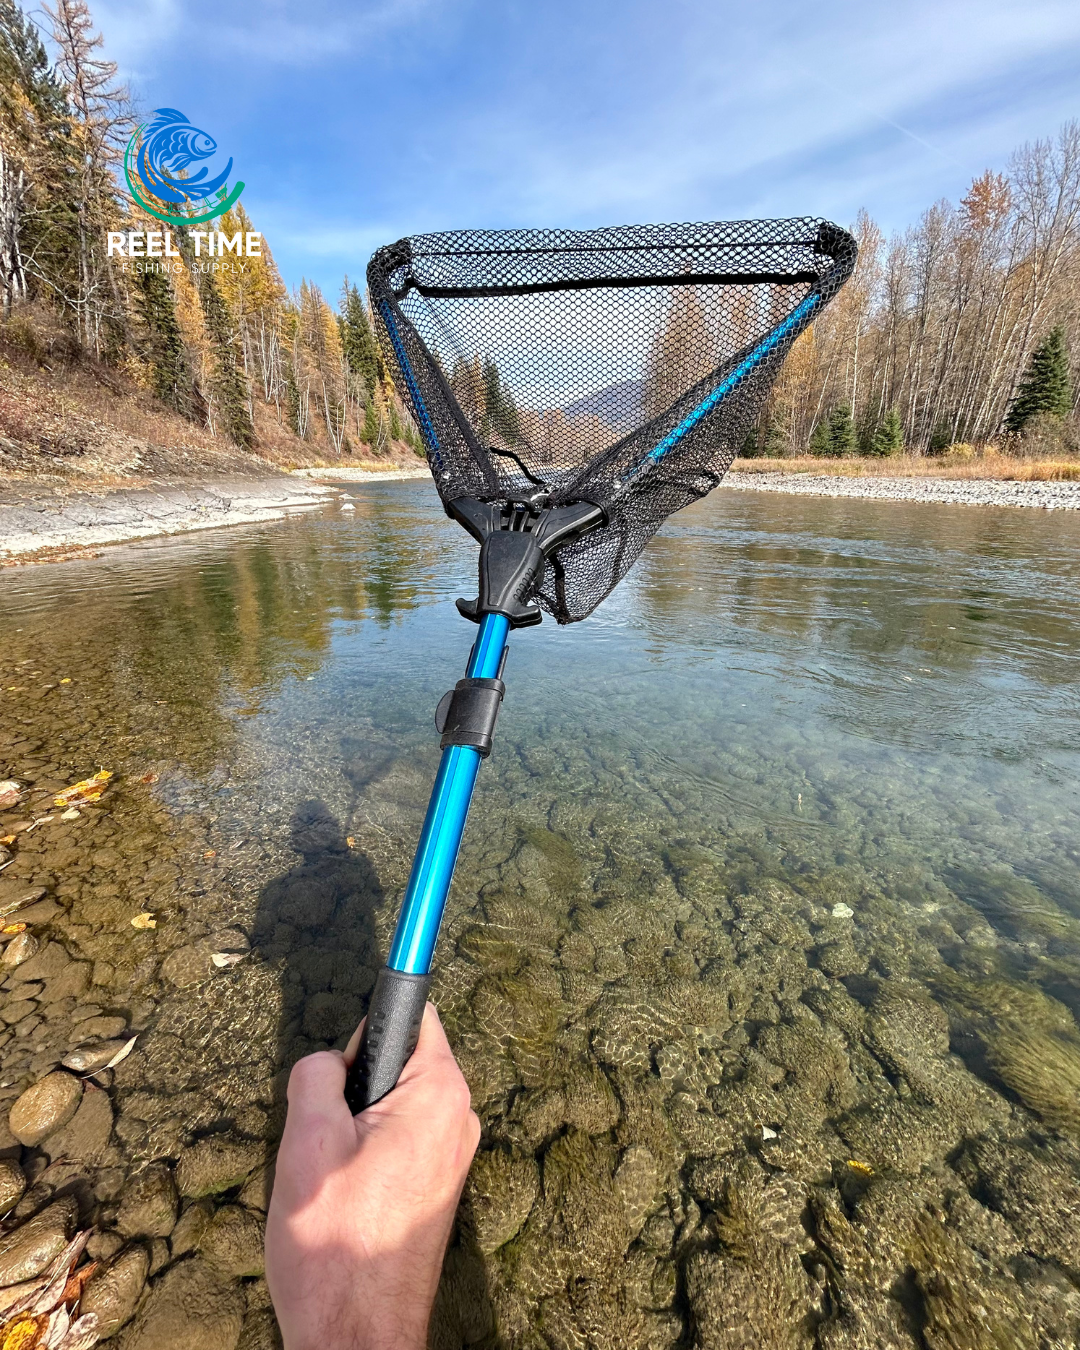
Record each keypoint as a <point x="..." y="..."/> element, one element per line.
<point x="44" y="1108"/>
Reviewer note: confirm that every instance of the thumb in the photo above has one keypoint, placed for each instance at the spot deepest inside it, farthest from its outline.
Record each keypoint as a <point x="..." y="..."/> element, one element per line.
<point x="317" y="1090"/>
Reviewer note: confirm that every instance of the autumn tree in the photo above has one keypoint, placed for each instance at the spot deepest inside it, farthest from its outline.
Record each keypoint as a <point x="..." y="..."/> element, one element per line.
<point x="681" y="353"/>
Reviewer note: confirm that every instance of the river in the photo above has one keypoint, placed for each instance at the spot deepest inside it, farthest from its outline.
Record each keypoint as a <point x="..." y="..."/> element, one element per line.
<point x="762" y="959"/>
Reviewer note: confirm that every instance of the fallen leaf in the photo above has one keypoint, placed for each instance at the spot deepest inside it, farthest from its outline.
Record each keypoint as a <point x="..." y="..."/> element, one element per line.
<point x="8" y="838"/>
<point x="20" y="1335"/>
<point x="57" y="1328"/>
<point x="223" y="959"/>
<point x="210" y="853"/>
<point x="87" y="790"/>
<point x="864" y="1168"/>
<point x="121" y="1054"/>
<point x="10" y="792"/>
<point x="144" y="921"/>
<point x="149" y="778"/>
<point x="66" y="679"/>
<point x="350" y="841"/>
<point x="83" y="1333"/>
<point x="72" y="813"/>
<point x="13" y="928"/>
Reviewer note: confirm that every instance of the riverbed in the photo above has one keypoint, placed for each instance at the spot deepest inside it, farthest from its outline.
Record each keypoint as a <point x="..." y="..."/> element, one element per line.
<point x="762" y="960"/>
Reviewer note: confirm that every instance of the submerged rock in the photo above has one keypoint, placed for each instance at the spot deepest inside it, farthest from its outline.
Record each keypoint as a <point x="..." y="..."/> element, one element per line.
<point x="44" y="1108"/>
<point x="191" y="1305"/>
<point x="113" y="1293"/>
<point x="12" y="1184"/>
<point x="233" y="1242"/>
<point x="217" y="1163"/>
<point x="148" y="1204"/>
<point x="502" y="1189"/>
<point x="28" y="1249"/>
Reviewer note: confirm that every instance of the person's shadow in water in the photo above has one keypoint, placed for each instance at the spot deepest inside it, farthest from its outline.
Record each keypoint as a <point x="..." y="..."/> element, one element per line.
<point x="318" y="921"/>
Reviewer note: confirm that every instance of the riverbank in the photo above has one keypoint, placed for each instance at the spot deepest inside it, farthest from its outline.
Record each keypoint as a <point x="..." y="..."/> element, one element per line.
<point x="1048" y="496"/>
<point x="43" y="522"/>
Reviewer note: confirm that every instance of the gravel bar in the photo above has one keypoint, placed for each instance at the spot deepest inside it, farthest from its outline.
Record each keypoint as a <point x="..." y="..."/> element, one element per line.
<point x="39" y="519"/>
<point x="951" y="491"/>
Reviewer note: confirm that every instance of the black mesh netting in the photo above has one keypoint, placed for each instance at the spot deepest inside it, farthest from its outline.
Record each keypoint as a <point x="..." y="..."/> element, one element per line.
<point x="621" y="366"/>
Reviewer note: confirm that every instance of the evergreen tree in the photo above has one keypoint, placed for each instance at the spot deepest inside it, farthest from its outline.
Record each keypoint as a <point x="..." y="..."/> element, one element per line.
<point x="166" y="350"/>
<point x="500" y="417"/>
<point x="888" y="439"/>
<point x="1046" y="387"/>
<point x="357" y="339"/>
<point x="821" y="439"/>
<point x="227" y="384"/>
<point x="371" y="423"/>
<point x="842" y="437"/>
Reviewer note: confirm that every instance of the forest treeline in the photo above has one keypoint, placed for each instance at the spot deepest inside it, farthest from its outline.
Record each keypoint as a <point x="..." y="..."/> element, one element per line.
<point x="957" y="331"/>
<point x="225" y="342"/>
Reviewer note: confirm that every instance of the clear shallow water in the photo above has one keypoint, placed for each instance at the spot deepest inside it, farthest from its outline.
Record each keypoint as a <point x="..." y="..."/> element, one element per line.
<point x="709" y="1092"/>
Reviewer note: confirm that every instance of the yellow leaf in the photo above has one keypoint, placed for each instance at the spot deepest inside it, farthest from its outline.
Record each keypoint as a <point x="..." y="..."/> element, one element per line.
<point x="66" y="679"/>
<point x="864" y="1168"/>
<point x="88" y="790"/>
<point x="20" y="1335"/>
<point x="13" y="928"/>
<point x="144" y="921"/>
<point x="350" y="841"/>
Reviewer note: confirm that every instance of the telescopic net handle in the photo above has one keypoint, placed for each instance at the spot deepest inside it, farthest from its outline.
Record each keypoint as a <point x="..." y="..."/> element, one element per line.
<point x="389" y="1037"/>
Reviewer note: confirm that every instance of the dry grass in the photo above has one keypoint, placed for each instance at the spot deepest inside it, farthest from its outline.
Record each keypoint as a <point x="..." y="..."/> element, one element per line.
<point x="988" y="464"/>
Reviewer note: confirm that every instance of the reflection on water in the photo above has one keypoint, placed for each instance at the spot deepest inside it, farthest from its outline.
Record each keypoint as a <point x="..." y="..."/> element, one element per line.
<point x="763" y="958"/>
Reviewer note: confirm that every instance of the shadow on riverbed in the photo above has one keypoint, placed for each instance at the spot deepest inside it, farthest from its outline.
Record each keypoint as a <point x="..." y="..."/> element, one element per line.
<point x="318" y="919"/>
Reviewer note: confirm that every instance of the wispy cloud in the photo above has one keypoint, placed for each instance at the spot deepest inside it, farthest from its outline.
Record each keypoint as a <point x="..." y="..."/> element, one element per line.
<point x="355" y="124"/>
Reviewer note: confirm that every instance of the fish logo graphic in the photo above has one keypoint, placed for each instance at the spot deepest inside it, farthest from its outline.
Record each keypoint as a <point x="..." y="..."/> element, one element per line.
<point x="160" y="159"/>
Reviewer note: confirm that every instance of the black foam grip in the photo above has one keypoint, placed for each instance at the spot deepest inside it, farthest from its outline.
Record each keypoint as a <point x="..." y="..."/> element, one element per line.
<point x="390" y="1035"/>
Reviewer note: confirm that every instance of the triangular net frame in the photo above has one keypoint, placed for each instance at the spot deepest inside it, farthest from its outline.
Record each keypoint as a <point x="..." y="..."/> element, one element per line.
<point x="622" y="366"/>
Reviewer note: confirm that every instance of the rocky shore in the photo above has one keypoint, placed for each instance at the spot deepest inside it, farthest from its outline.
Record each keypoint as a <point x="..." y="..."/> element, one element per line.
<point x="949" y="491"/>
<point x="41" y="521"/>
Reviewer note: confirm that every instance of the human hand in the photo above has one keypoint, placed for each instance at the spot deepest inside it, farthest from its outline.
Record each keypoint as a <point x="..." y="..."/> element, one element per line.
<point x="362" y="1206"/>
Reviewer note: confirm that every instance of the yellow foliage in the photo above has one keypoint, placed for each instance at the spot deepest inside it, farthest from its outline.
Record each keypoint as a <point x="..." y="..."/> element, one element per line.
<point x="88" y="790"/>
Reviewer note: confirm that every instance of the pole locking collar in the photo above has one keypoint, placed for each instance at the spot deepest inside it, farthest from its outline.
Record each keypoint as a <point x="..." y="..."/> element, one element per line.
<point x="467" y="714"/>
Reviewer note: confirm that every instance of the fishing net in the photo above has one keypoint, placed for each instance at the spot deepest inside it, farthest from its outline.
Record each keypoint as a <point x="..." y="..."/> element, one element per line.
<point x="624" y="367"/>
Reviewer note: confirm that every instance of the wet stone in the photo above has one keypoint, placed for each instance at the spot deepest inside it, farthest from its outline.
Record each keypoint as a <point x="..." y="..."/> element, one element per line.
<point x="21" y="948"/>
<point x="28" y="1249"/>
<point x="189" y="1229"/>
<point x="97" y="1029"/>
<point x="86" y="1136"/>
<point x="12" y="1184"/>
<point x="148" y="1204"/>
<point x="233" y="1242"/>
<point x="217" y="1163"/>
<point x="92" y="1058"/>
<point x="190" y="1305"/>
<point x="44" y="1108"/>
<point x="114" y="1292"/>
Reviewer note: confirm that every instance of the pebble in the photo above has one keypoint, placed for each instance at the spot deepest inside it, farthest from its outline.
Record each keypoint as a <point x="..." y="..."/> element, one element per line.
<point x="148" y="1204"/>
<point x="955" y="492"/>
<point x="114" y="1292"/>
<point x="842" y="911"/>
<point x="44" y="1108"/>
<point x="98" y="1029"/>
<point x="21" y="948"/>
<point x="29" y="1249"/>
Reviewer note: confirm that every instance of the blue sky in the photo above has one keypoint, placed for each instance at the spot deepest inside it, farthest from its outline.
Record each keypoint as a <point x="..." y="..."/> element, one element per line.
<point x="355" y="123"/>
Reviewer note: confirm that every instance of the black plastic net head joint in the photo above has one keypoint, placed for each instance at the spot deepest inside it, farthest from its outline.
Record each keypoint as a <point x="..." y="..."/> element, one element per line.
<point x="618" y="369"/>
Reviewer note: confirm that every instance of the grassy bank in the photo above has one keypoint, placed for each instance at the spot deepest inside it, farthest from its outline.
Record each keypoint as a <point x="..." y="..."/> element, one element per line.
<point x="988" y="465"/>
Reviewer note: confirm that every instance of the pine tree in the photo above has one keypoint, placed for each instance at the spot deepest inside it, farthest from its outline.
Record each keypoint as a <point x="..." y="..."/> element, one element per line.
<point x="1046" y="388"/>
<point x="166" y="350"/>
<point x="888" y="439"/>
<point x="842" y="435"/>
<point x="357" y="340"/>
<point x="371" y="423"/>
<point x="227" y="384"/>
<point x="821" y="439"/>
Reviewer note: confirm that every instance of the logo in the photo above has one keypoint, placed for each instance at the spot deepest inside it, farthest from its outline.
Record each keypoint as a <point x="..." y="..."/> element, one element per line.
<point x="158" y="162"/>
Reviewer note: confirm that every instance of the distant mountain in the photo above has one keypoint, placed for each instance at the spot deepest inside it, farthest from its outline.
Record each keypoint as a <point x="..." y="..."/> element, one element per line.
<point x="619" y="405"/>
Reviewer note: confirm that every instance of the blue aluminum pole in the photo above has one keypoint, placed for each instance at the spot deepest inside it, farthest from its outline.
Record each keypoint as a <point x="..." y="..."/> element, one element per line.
<point x="444" y="824"/>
